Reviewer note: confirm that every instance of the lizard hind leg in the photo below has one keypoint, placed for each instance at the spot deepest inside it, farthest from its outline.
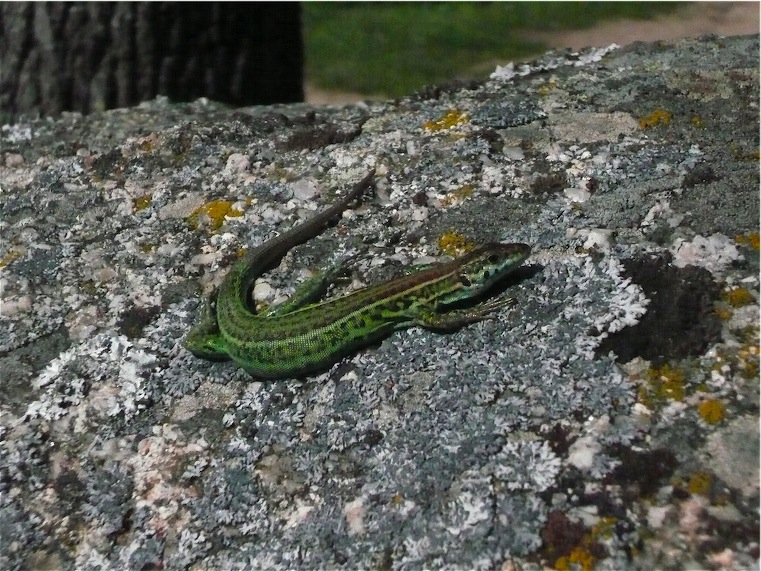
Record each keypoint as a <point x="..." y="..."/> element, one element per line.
<point x="311" y="291"/>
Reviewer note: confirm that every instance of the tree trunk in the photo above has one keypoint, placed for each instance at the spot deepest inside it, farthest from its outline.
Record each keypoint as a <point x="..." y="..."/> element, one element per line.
<point x="85" y="56"/>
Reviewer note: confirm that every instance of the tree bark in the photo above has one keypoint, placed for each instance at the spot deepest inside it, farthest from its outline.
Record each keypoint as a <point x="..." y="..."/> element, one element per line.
<point x="85" y="56"/>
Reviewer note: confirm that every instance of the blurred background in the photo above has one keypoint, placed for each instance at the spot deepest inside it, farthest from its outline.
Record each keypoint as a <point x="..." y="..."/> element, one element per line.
<point x="90" y="56"/>
<point x="359" y="50"/>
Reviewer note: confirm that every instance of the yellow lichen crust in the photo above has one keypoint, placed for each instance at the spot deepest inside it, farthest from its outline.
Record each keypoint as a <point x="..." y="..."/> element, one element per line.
<point x="744" y="155"/>
<point x="657" y="117"/>
<point x="662" y="384"/>
<point x="747" y="359"/>
<point x="141" y="202"/>
<point x="585" y="555"/>
<point x="546" y="88"/>
<point x="723" y="313"/>
<point x="738" y="297"/>
<point x="452" y="118"/>
<point x="742" y="359"/>
<point x="454" y="244"/>
<point x="751" y="239"/>
<point x="8" y="258"/>
<point x="700" y="483"/>
<point x="458" y="195"/>
<point x="712" y="411"/>
<point x="213" y="214"/>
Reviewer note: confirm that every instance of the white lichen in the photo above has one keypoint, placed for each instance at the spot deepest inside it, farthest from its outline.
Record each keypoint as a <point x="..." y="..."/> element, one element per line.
<point x="714" y="253"/>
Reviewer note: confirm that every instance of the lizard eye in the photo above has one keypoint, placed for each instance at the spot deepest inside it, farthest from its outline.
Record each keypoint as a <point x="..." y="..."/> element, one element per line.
<point x="465" y="280"/>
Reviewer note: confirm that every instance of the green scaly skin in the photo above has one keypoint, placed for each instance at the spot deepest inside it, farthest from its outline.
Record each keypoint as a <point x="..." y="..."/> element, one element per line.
<point x="304" y="335"/>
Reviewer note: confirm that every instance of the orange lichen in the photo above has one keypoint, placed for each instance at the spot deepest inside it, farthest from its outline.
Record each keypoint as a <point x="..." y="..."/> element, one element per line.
<point x="454" y="244"/>
<point x="452" y="118"/>
<point x="712" y="411"/>
<point x="657" y="117"/>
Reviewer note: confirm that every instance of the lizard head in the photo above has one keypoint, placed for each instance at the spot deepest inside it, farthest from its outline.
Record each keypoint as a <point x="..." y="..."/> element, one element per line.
<point x="484" y="266"/>
<point x="204" y="339"/>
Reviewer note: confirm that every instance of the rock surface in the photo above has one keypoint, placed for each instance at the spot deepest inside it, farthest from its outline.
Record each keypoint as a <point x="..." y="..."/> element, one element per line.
<point x="609" y="420"/>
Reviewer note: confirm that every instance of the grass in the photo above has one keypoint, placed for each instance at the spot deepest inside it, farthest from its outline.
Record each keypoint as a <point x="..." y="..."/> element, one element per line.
<point x="394" y="48"/>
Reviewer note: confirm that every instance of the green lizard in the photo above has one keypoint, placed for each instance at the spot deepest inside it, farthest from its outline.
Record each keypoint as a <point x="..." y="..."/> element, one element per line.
<point x="304" y="335"/>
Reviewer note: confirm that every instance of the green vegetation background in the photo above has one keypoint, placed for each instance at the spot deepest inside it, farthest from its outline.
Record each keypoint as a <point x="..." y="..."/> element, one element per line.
<point x="394" y="48"/>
